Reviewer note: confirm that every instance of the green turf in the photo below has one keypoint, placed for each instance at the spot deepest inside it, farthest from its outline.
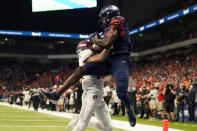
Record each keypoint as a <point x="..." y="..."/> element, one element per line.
<point x="13" y="119"/>
<point x="176" y="125"/>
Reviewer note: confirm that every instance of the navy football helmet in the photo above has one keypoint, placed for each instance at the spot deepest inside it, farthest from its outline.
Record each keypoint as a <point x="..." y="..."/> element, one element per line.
<point x="107" y="13"/>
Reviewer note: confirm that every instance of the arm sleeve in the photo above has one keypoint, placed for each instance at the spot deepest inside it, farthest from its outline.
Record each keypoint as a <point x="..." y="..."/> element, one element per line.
<point x="116" y="22"/>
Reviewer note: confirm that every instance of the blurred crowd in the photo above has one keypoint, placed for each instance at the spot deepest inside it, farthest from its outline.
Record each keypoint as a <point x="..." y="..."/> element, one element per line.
<point x="167" y="85"/>
<point x="158" y="89"/>
<point x="38" y="46"/>
<point x="165" y="11"/>
<point x="141" y="45"/>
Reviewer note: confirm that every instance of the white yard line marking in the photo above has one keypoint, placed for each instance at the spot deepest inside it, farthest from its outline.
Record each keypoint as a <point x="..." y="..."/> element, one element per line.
<point x="10" y="111"/>
<point x="10" y="126"/>
<point x="22" y="116"/>
<point x="30" y="120"/>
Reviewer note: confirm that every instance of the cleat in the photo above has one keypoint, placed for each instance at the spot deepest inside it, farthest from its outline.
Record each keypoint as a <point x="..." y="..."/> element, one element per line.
<point x="131" y="117"/>
<point x="49" y="95"/>
<point x="73" y="122"/>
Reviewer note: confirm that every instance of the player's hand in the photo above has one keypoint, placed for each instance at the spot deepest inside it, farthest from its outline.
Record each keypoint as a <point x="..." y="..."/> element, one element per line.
<point x="92" y="36"/>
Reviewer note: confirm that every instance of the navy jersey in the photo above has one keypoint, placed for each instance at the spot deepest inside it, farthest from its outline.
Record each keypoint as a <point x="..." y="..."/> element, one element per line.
<point x="122" y="44"/>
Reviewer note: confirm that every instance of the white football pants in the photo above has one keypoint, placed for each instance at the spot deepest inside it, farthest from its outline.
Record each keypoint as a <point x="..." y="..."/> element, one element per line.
<point x="93" y="103"/>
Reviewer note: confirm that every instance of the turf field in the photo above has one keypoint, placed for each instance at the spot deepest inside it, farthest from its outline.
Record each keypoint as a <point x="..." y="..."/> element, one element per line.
<point x="13" y="119"/>
<point x="176" y="125"/>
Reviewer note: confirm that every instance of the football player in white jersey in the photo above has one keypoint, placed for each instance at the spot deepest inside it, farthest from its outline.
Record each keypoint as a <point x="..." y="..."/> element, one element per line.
<point x="92" y="98"/>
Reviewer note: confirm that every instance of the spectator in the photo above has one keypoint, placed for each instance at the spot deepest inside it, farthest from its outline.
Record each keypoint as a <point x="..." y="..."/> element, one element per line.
<point x="144" y="103"/>
<point x="160" y="99"/>
<point x="153" y="103"/>
<point x="78" y="102"/>
<point x="169" y="94"/>
<point x="132" y="97"/>
<point x="192" y="100"/>
<point x="61" y="102"/>
<point x="180" y="101"/>
<point x="116" y="102"/>
<point x="107" y="92"/>
<point x="35" y="98"/>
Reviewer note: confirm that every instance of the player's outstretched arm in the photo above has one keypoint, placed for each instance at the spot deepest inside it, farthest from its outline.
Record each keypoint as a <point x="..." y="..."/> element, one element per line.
<point x="109" y="39"/>
<point x="79" y="72"/>
<point x="98" y="57"/>
<point x="74" y="78"/>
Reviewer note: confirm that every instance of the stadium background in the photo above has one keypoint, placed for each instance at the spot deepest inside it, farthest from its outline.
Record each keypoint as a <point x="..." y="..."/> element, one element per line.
<point x="40" y="58"/>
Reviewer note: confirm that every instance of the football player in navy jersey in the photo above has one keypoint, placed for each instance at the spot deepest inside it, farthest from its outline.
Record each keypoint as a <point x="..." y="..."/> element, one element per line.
<point x="118" y="63"/>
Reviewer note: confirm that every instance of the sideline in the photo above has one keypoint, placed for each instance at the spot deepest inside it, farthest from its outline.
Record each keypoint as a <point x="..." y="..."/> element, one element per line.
<point x="116" y="123"/>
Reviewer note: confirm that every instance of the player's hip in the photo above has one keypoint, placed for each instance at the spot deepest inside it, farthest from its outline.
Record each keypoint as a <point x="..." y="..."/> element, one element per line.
<point x="93" y="93"/>
<point x="92" y="84"/>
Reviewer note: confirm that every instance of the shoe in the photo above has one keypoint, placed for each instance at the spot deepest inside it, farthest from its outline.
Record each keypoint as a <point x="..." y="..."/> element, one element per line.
<point x="131" y="116"/>
<point x="49" y="95"/>
<point x="73" y="122"/>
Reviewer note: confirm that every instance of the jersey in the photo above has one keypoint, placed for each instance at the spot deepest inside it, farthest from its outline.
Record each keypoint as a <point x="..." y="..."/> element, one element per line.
<point x="89" y="81"/>
<point x="27" y="95"/>
<point x="122" y="44"/>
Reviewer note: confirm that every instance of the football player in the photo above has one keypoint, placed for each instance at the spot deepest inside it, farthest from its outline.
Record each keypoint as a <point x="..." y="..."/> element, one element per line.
<point x="92" y="98"/>
<point x="118" y="63"/>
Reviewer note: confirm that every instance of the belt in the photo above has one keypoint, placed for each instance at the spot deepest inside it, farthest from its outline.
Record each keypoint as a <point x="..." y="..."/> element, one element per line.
<point x="91" y="77"/>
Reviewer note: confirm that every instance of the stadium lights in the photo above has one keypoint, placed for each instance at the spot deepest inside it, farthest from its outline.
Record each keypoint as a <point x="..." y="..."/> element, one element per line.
<point x="160" y="21"/>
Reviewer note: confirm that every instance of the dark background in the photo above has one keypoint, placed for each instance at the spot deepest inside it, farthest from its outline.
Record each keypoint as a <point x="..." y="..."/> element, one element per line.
<point x="17" y="15"/>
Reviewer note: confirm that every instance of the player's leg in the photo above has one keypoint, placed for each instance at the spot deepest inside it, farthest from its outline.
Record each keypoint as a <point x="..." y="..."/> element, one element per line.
<point x="91" y="101"/>
<point x="120" y="68"/>
<point x="75" y="118"/>
<point x="103" y="116"/>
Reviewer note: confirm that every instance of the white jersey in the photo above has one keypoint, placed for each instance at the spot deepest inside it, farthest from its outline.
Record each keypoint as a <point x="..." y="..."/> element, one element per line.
<point x="26" y="95"/>
<point x="89" y="81"/>
<point x="107" y="90"/>
<point x="115" y="97"/>
<point x="36" y="92"/>
<point x="153" y="95"/>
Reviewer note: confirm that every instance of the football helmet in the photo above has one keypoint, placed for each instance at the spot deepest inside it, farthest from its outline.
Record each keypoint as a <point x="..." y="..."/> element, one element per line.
<point x="107" y="13"/>
<point x="84" y="44"/>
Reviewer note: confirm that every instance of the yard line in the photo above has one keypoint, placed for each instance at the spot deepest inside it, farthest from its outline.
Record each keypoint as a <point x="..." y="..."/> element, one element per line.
<point x="30" y="120"/>
<point x="31" y="126"/>
<point x="23" y="116"/>
<point x="10" y="111"/>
